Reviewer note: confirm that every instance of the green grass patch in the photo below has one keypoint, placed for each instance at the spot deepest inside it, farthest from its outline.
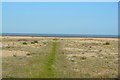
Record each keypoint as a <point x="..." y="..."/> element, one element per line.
<point x="49" y="70"/>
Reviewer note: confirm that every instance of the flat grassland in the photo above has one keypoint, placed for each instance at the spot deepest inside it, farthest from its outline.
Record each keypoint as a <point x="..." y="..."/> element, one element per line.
<point x="59" y="57"/>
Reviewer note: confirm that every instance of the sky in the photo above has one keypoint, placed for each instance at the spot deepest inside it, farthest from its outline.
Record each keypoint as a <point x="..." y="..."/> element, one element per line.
<point x="99" y="18"/>
<point x="0" y="17"/>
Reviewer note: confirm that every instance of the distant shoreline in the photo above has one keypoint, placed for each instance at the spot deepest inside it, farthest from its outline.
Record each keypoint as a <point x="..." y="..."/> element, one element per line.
<point x="64" y="36"/>
<point x="59" y="35"/>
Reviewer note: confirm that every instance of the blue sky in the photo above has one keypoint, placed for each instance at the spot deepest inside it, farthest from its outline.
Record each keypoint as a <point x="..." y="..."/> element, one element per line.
<point x="0" y="17"/>
<point x="60" y="17"/>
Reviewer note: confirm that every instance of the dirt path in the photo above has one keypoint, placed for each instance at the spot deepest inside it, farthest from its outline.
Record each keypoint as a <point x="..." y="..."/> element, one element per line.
<point x="49" y="66"/>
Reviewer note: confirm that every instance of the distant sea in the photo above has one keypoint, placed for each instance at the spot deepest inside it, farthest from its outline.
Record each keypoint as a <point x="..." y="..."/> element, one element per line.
<point x="58" y="35"/>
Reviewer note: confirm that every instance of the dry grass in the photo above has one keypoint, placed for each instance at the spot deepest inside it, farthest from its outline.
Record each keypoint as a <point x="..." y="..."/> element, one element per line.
<point x="70" y="58"/>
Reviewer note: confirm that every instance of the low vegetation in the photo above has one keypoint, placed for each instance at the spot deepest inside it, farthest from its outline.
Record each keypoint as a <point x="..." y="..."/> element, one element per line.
<point x="24" y="43"/>
<point x="33" y="42"/>
<point x="107" y="43"/>
<point x="59" y="58"/>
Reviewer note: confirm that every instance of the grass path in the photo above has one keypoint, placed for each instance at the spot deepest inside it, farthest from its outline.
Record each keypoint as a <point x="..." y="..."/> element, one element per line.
<point x="49" y="66"/>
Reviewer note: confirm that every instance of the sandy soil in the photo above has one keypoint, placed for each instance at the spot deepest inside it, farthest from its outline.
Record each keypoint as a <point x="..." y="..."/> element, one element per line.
<point x="59" y="37"/>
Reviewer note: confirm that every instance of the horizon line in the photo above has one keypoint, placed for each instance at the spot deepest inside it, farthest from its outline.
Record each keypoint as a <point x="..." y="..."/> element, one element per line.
<point x="62" y="33"/>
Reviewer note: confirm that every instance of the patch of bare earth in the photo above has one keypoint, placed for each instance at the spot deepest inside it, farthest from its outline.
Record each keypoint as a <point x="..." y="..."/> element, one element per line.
<point x="73" y="49"/>
<point x="85" y="55"/>
<point x="6" y="53"/>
